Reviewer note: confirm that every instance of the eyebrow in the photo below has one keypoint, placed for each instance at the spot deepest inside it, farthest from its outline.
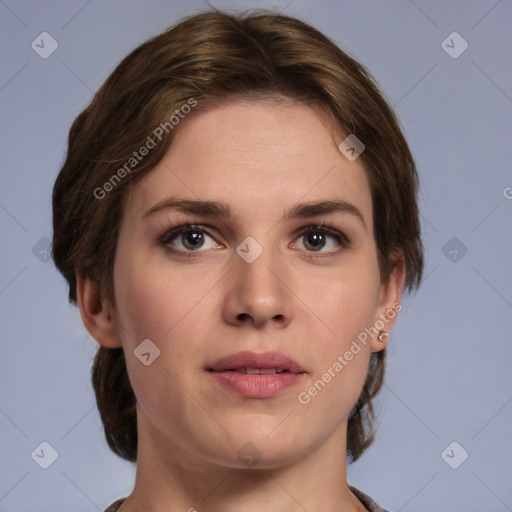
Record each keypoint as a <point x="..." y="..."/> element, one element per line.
<point x="313" y="209"/>
<point x="213" y="208"/>
<point x="223" y="210"/>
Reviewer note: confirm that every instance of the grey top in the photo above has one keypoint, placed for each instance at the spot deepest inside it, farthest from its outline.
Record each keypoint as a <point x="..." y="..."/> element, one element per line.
<point x="371" y="505"/>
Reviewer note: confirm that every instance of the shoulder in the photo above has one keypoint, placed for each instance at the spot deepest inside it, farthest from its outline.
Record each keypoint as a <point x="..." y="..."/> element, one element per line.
<point x="115" y="505"/>
<point x="368" y="502"/>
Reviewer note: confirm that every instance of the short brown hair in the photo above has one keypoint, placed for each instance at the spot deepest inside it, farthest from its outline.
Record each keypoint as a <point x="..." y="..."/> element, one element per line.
<point x="210" y="57"/>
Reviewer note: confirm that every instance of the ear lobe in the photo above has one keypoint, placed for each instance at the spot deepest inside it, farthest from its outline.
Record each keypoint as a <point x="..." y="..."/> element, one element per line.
<point x="388" y="305"/>
<point x="95" y="312"/>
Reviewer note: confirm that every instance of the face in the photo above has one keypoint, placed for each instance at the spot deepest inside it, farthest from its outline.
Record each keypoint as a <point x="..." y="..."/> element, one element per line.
<point x="247" y="258"/>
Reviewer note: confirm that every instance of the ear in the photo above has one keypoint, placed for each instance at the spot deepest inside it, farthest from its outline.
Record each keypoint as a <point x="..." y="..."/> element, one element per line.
<point x="96" y="312"/>
<point x="388" y="304"/>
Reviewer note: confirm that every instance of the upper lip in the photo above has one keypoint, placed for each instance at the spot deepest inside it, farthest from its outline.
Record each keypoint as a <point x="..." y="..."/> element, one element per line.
<point x="262" y="360"/>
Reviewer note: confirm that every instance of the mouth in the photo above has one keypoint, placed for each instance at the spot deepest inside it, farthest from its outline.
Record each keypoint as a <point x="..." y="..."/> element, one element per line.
<point x="257" y="375"/>
<point x="258" y="371"/>
<point x="254" y="363"/>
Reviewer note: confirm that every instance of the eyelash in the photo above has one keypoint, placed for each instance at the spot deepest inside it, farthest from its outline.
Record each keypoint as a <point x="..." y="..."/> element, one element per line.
<point x="339" y="237"/>
<point x="170" y="234"/>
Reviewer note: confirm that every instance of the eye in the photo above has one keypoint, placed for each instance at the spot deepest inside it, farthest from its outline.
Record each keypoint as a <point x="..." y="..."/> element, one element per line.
<point x="320" y="239"/>
<point x="188" y="238"/>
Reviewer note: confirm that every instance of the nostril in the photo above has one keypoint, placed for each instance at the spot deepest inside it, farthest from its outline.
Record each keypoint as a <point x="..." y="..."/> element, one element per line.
<point x="247" y="318"/>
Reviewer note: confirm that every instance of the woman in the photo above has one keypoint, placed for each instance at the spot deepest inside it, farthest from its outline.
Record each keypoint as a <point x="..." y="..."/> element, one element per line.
<point x="237" y="221"/>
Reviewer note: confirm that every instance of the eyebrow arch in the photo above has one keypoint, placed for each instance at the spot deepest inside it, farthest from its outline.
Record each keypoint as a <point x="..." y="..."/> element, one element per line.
<point x="219" y="209"/>
<point x="213" y="208"/>
<point x="313" y="209"/>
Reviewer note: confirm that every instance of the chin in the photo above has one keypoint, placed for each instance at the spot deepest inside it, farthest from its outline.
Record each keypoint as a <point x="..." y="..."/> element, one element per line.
<point x="261" y="447"/>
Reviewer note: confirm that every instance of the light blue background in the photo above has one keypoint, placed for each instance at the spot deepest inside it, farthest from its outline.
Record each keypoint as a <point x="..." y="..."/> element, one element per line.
<point x="449" y="375"/>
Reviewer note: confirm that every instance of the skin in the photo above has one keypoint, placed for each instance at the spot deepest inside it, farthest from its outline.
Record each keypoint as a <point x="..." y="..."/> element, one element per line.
<point x="261" y="159"/>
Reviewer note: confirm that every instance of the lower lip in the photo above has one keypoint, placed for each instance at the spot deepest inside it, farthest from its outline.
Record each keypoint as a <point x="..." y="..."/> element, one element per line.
<point x="257" y="386"/>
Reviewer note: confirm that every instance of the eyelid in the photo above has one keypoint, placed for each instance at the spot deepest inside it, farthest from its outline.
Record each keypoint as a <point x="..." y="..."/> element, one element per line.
<point x="340" y="237"/>
<point x="173" y="233"/>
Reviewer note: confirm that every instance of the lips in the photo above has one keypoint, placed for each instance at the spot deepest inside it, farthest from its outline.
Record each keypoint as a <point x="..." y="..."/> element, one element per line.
<point x="257" y="361"/>
<point x="257" y="375"/>
<point x="259" y="371"/>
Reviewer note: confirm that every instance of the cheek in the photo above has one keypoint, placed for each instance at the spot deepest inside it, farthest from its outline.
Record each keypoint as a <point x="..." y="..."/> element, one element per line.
<point x="342" y="354"/>
<point x="346" y="299"/>
<point x="150" y="299"/>
<point x="154" y="304"/>
<point x="346" y="304"/>
<point x="158" y="303"/>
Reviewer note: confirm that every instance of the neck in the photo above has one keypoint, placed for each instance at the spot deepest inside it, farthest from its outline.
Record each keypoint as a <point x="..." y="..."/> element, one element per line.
<point x="170" y="479"/>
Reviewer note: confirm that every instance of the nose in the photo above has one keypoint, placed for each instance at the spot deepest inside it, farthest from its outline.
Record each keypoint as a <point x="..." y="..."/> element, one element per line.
<point x="257" y="294"/>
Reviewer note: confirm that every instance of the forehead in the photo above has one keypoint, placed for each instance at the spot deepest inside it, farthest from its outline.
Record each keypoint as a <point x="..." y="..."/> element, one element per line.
<point x="256" y="156"/>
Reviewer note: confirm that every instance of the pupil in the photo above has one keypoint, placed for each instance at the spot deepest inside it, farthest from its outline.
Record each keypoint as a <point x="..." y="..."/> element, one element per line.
<point x="193" y="239"/>
<point x="315" y="241"/>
